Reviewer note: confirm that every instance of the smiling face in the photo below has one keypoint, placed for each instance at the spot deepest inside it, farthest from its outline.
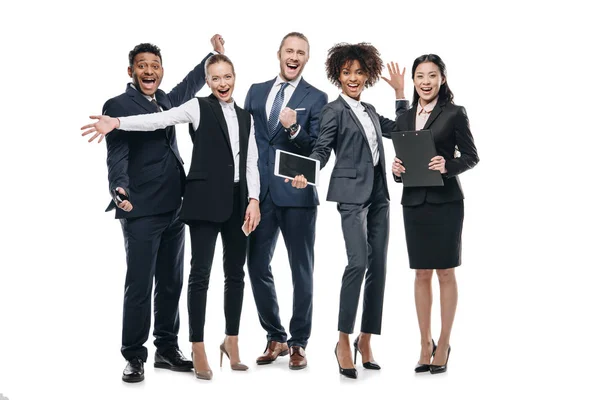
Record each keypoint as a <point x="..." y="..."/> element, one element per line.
<point x="428" y="80"/>
<point x="221" y="80"/>
<point x="352" y="79"/>
<point x="293" y="56"/>
<point x="146" y="73"/>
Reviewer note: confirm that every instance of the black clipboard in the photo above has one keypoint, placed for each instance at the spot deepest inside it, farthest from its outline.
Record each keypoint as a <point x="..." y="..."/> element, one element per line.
<point x="416" y="149"/>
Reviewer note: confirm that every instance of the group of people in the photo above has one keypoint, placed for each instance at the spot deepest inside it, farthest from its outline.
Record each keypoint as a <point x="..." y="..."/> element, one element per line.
<point x="231" y="183"/>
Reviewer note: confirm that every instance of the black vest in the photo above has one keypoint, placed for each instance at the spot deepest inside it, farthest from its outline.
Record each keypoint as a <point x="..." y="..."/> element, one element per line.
<point x="209" y="184"/>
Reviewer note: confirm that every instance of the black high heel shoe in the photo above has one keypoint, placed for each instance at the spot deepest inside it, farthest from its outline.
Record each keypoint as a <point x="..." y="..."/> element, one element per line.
<point x="347" y="372"/>
<point x="368" y="364"/>
<point x="425" y="367"/>
<point x="438" y="369"/>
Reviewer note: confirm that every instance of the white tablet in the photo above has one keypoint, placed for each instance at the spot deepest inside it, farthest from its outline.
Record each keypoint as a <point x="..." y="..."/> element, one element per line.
<point x="288" y="165"/>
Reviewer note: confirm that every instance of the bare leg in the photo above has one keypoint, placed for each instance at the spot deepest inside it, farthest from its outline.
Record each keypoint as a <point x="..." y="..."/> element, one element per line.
<point x="344" y="354"/>
<point x="200" y="360"/>
<point x="448" y="301"/>
<point x="423" y="301"/>
<point x="231" y="346"/>
<point x="364" y="346"/>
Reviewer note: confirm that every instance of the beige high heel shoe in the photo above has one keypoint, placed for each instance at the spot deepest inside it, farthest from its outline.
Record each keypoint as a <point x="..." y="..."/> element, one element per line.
<point x="236" y="367"/>
<point x="206" y="375"/>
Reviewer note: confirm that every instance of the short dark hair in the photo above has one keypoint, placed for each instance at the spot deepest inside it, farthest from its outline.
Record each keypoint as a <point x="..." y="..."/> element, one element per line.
<point x="445" y="95"/>
<point x="366" y="54"/>
<point x="216" y="58"/>
<point x="294" y="34"/>
<point x="144" y="48"/>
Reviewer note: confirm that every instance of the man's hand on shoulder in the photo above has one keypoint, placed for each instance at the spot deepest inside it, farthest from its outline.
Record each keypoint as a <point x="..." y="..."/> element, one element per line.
<point x="218" y="43"/>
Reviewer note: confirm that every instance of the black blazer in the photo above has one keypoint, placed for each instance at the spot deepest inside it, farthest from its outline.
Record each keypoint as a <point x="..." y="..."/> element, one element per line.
<point x="340" y="130"/>
<point x="148" y="166"/>
<point x="449" y="126"/>
<point x="209" y="184"/>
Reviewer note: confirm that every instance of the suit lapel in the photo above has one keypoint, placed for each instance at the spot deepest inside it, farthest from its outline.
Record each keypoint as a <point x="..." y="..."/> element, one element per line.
<point x="139" y="98"/>
<point x="375" y="119"/>
<point x="297" y="97"/>
<point x="218" y="112"/>
<point x="412" y="115"/>
<point x="355" y="119"/>
<point x="263" y="94"/>
<point x="437" y="110"/>
<point x="162" y="100"/>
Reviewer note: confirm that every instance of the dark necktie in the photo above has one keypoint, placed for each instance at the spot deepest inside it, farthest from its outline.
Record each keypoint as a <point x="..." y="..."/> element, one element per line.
<point x="276" y="109"/>
<point x="153" y="101"/>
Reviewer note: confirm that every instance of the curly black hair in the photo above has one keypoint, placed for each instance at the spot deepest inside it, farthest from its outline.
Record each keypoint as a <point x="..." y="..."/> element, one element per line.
<point x="144" y="48"/>
<point x="342" y="53"/>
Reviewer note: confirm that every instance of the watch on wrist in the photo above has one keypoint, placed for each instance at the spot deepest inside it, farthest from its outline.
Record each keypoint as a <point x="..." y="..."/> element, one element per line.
<point x="292" y="129"/>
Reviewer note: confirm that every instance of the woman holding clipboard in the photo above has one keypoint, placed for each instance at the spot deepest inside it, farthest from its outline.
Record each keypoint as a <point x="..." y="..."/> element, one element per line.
<point x="433" y="216"/>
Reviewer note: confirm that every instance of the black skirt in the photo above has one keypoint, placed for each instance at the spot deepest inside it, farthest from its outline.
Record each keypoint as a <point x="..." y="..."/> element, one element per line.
<point x="433" y="234"/>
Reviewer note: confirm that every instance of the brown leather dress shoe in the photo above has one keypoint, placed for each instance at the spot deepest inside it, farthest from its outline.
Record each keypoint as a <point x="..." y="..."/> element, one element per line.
<point x="297" y="357"/>
<point x="274" y="349"/>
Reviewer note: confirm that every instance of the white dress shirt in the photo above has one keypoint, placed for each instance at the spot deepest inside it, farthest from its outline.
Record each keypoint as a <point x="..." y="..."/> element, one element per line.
<point x="287" y="95"/>
<point x="189" y="112"/>
<point x="423" y="114"/>
<point x="367" y="123"/>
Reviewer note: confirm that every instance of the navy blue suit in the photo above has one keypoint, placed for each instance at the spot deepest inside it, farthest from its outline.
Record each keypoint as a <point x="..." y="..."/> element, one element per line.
<point x="286" y="209"/>
<point x="148" y="166"/>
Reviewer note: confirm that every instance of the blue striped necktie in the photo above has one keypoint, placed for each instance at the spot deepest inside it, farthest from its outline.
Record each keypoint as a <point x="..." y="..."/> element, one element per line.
<point x="276" y="109"/>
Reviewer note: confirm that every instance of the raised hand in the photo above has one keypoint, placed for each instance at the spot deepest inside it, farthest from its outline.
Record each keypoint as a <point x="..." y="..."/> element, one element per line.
<point x="396" y="79"/>
<point x="218" y="43"/>
<point x="101" y="128"/>
<point x="287" y="117"/>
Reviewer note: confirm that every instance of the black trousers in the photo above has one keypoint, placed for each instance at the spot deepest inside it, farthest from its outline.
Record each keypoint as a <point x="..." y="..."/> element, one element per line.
<point x="154" y="246"/>
<point x="203" y="235"/>
<point x="366" y="231"/>
<point x="297" y="226"/>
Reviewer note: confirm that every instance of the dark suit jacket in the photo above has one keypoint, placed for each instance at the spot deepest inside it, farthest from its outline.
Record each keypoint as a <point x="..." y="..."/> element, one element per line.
<point x="352" y="176"/>
<point x="209" y="186"/>
<point x="312" y="101"/>
<point x="148" y="166"/>
<point x="449" y="126"/>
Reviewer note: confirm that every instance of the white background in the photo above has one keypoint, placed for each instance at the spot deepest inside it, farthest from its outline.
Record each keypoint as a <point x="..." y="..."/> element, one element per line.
<point x="527" y="73"/>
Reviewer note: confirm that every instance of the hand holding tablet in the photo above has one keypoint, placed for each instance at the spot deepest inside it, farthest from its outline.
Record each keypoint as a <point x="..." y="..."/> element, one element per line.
<point x="300" y="170"/>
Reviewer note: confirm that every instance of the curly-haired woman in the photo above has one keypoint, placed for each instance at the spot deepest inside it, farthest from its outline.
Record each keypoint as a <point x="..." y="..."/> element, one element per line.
<point x="354" y="130"/>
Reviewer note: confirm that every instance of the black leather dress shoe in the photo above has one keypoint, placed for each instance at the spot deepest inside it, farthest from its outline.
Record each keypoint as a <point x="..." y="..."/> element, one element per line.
<point x="172" y="359"/>
<point x="134" y="370"/>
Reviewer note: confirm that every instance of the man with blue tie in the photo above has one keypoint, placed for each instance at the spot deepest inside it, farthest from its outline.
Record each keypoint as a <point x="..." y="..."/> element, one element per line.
<point x="286" y="114"/>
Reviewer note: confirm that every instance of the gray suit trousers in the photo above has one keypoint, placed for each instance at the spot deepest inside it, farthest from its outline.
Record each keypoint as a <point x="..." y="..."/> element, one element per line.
<point x="366" y="232"/>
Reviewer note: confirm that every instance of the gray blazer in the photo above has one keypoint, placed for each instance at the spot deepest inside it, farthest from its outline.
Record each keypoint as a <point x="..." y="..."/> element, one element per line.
<point x="341" y="131"/>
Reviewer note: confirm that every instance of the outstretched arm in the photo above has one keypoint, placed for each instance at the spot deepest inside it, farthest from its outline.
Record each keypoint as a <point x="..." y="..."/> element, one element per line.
<point x="186" y="113"/>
